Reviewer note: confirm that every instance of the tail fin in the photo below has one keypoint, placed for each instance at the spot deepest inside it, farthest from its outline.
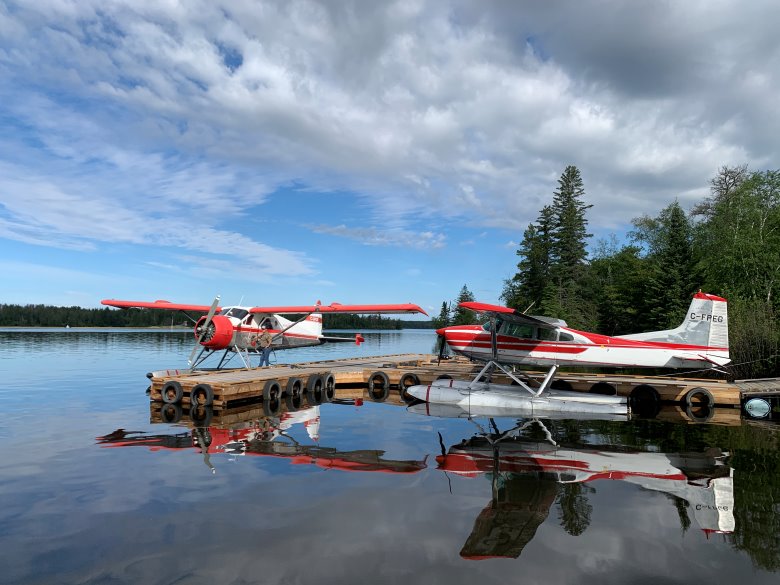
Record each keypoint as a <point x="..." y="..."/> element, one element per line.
<point x="705" y="325"/>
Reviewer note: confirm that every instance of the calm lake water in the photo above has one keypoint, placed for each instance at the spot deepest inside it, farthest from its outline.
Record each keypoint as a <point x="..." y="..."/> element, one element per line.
<point x="93" y="490"/>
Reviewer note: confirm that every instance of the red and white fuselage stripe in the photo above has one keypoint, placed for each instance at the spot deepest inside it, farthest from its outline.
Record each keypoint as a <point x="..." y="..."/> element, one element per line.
<point x="585" y="348"/>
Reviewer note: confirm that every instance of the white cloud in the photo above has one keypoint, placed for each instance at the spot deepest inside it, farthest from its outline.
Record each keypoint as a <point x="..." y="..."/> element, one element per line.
<point x="392" y="237"/>
<point x="449" y="110"/>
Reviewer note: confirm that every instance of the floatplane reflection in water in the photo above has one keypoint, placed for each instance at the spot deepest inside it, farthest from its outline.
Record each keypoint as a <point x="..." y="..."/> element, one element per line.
<point x="266" y="436"/>
<point x="528" y="476"/>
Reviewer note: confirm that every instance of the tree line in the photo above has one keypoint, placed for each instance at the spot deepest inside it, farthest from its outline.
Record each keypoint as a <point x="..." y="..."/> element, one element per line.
<point x="51" y="316"/>
<point x="728" y="245"/>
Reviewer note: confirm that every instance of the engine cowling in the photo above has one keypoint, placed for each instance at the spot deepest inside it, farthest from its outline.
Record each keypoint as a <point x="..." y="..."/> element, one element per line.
<point x="218" y="334"/>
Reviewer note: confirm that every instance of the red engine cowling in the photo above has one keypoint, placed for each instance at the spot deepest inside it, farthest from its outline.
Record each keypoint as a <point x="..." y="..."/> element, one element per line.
<point x="218" y="333"/>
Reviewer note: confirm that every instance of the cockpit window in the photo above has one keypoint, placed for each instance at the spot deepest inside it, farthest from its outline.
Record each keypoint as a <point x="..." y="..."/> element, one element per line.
<point x="548" y="334"/>
<point x="565" y="336"/>
<point x="521" y="330"/>
<point x="234" y="312"/>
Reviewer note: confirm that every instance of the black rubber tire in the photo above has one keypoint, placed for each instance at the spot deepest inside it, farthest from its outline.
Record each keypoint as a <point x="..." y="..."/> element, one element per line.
<point x="294" y="388"/>
<point x="202" y="395"/>
<point x="378" y="386"/>
<point x="406" y="380"/>
<point x="293" y="403"/>
<point x="314" y="383"/>
<point x="172" y="392"/>
<point x="314" y="398"/>
<point x="561" y="385"/>
<point x="603" y="388"/>
<point x="700" y="413"/>
<point x="698" y="398"/>
<point x="444" y="377"/>
<point x="328" y="387"/>
<point x="272" y="407"/>
<point x="201" y="415"/>
<point x="272" y="391"/>
<point x="170" y="413"/>
<point x="645" y="401"/>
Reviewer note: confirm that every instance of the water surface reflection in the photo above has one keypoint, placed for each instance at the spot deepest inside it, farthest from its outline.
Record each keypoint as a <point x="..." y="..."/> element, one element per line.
<point x="357" y="490"/>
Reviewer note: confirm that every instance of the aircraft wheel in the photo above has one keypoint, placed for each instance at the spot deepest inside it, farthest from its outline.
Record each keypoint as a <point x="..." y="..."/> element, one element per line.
<point x="408" y="379"/>
<point x="603" y="388"/>
<point x="645" y="401"/>
<point x="172" y="392"/>
<point x="295" y="388"/>
<point x="170" y="413"/>
<point x="201" y="415"/>
<point x="202" y="395"/>
<point x="328" y="387"/>
<point x="378" y="386"/>
<point x="272" y="391"/>
<point x="698" y="397"/>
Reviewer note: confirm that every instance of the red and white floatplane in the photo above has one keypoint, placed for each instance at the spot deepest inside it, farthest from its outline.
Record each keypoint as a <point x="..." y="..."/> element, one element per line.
<point x="512" y="338"/>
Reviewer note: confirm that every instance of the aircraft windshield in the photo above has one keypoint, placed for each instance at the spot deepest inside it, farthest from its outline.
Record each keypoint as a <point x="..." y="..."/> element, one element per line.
<point x="234" y="312"/>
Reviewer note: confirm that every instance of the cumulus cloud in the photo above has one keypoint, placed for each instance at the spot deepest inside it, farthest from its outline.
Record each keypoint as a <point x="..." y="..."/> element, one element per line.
<point x="454" y="110"/>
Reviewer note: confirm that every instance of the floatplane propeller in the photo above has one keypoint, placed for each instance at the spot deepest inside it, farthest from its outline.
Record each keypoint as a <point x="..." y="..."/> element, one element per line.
<point x="203" y="330"/>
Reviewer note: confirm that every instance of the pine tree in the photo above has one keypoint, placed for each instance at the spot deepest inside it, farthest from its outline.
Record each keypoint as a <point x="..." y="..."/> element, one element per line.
<point x="443" y="320"/>
<point x="563" y="294"/>
<point x="672" y="276"/>
<point x="463" y="316"/>
<point x="528" y="284"/>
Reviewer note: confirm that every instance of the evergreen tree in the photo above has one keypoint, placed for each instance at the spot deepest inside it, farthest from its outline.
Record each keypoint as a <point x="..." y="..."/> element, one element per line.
<point x="463" y="316"/>
<point x="443" y="320"/>
<point x="570" y="231"/>
<point x="672" y="276"/>
<point x="563" y="295"/>
<point x="527" y="286"/>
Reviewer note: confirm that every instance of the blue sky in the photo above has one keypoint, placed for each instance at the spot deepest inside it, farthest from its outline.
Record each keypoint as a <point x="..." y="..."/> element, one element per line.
<point x="359" y="152"/>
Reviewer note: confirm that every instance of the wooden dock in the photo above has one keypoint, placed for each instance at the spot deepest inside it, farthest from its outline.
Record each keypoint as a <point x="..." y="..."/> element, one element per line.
<point x="385" y="375"/>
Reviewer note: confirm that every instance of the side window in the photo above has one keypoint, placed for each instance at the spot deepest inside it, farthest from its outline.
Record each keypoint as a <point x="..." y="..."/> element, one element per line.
<point x="548" y="334"/>
<point x="522" y="331"/>
<point x="563" y="336"/>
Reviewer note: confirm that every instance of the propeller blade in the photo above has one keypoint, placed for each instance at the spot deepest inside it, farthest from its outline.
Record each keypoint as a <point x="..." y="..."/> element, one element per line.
<point x="204" y="328"/>
<point x="442" y="348"/>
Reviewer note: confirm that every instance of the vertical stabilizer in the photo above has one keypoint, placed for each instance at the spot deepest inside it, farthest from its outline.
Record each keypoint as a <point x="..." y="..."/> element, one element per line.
<point x="705" y="325"/>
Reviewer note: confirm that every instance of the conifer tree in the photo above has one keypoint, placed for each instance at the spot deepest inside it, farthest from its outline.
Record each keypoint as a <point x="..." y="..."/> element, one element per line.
<point x="463" y="316"/>
<point x="563" y="294"/>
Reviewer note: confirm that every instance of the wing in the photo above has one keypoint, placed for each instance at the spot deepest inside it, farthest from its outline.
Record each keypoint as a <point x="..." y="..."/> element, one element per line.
<point x="507" y="314"/>
<point x="155" y="305"/>
<point x="339" y="308"/>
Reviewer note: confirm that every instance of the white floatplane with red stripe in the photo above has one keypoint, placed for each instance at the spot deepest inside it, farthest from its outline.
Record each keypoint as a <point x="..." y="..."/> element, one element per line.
<point x="236" y="329"/>
<point x="511" y="337"/>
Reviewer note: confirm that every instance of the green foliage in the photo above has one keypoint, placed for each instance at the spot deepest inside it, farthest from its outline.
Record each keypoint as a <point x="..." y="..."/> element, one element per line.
<point x="739" y="238"/>
<point x="49" y="316"/>
<point x="443" y="320"/>
<point x="463" y="316"/>
<point x="670" y="266"/>
<point x="732" y="250"/>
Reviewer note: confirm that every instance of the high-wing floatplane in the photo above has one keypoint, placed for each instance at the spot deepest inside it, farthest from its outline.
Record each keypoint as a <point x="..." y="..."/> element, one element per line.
<point x="235" y="329"/>
<point x="513" y="338"/>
